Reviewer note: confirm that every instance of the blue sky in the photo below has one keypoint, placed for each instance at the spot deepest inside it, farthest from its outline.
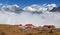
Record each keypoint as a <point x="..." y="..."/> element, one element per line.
<point x="24" y="3"/>
<point x="14" y="15"/>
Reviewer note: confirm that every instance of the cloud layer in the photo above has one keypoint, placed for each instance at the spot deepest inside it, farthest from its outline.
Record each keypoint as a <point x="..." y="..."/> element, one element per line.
<point x="34" y="14"/>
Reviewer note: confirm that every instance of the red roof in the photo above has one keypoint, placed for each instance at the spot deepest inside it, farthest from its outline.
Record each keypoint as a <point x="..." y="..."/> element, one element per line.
<point x="28" y="25"/>
<point x="49" y="26"/>
<point x="20" y="25"/>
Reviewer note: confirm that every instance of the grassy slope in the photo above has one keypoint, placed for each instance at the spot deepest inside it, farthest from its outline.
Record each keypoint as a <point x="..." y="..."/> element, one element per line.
<point x="14" y="30"/>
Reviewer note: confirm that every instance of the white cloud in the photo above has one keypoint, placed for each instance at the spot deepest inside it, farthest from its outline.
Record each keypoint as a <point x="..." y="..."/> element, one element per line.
<point x="39" y="8"/>
<point x="51" y="6"/>
<point x="34" y="8"/>
<point x="27" y="17"/>
<point x="11" y="8"/>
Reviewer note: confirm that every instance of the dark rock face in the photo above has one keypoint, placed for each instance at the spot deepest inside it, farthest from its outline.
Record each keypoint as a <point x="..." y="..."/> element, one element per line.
<point x="55" y="9"/>
<point x="37" y="12"/>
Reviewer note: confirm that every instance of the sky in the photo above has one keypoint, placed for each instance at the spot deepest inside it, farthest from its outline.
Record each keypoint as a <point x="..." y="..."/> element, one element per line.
<point x="24" y="3"/>
<point x="36" y="12"/>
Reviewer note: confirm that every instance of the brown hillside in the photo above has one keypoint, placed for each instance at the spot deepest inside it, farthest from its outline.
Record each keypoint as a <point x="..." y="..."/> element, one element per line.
<point x="15" y="30"/>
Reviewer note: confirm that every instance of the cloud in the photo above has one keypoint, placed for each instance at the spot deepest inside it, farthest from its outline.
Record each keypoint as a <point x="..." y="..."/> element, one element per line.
<point x="39" y="8"/>
<point x="35" y="8"/>
<point x="11" y="14"/>
<point x="51" y="6"/>
<point x="11" y="8"/>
